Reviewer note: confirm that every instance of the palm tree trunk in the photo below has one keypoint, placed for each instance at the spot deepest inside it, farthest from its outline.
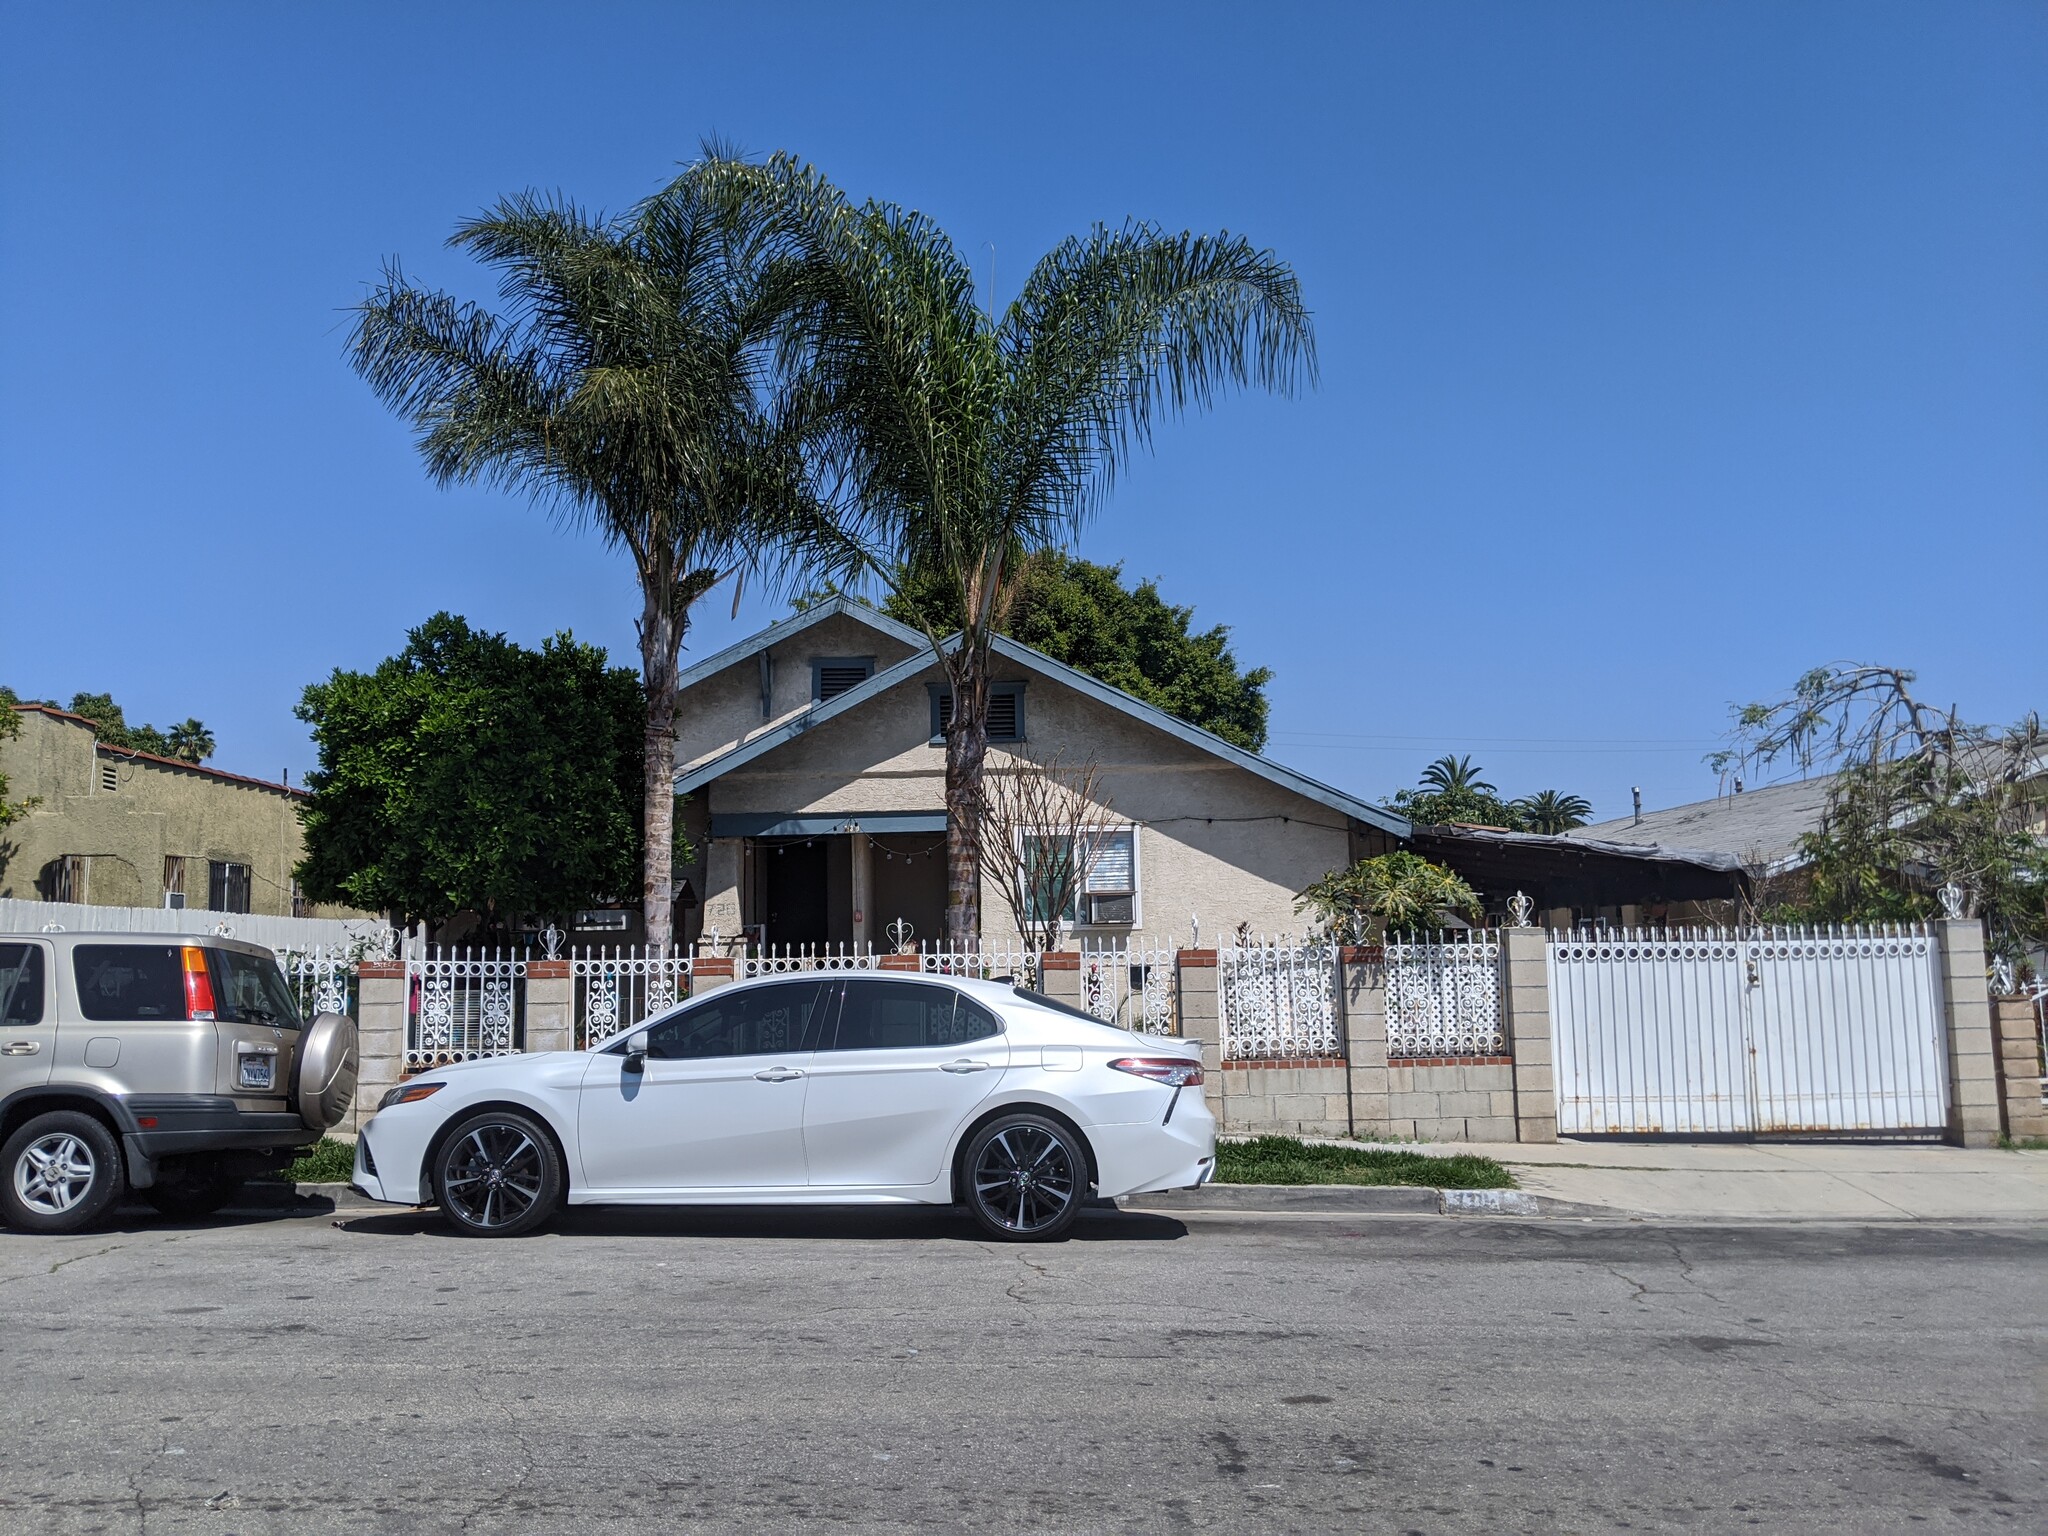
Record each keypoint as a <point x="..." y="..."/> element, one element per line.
<point x="661" y="637"/>
<point x="966" y="753"/>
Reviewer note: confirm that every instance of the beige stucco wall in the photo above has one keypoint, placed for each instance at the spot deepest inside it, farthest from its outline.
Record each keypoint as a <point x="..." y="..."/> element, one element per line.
<point x="723" y="710"/>
<point x="1214" y="841"/>
<point x="154" y="811"/>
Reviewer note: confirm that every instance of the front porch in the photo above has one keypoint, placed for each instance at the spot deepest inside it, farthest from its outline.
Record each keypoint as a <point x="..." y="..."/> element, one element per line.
<point x="831" y="881"/>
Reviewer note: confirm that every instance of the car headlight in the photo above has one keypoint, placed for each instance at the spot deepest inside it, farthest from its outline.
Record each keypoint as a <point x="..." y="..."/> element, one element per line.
<point x="407" y="1093"/>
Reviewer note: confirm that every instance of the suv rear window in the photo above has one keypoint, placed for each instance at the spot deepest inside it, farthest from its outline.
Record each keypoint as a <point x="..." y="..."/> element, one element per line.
<point x="129" y="981"/>
<point x="249" y="989"/>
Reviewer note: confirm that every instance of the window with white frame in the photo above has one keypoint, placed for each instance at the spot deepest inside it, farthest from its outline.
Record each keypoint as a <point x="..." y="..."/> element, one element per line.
<point x="1107" y="890"/>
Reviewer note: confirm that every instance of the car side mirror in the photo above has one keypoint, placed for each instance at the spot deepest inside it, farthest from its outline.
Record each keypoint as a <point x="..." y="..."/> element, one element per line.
<point x="636" y="1052"/>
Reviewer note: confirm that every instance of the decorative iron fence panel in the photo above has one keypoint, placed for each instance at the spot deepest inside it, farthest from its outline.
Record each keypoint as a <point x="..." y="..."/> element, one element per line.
<point x="322" y="978"/>
<point x="462" y="1004"/>
<point x="1132" y="987"/>
<point x="619" y="986"/>
<point x="1444" y="995"/>
<point x="1700" y="1031"/>
<point x="782" y="960"/>
<point x="1278" y="1000"/>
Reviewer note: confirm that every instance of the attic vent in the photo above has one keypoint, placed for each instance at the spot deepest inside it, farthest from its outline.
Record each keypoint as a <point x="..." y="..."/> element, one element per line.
<point x="833" y="675"/>
<point x="110" y="777"/>
<point x="1005" y="712"/>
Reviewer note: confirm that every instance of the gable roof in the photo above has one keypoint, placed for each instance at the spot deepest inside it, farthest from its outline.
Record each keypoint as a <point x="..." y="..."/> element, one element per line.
<point x="125" y="754"/>
<point x="796" y="624"/>
<point x="1037" y="661"/>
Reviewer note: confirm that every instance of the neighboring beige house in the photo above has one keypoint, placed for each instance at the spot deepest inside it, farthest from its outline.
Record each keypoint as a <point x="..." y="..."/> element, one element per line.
<point x="812" y="759"/>
<point x="113" y="827"/>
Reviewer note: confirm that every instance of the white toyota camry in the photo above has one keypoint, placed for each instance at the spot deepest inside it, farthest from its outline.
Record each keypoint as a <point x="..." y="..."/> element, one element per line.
<point x="832" y="1089"/>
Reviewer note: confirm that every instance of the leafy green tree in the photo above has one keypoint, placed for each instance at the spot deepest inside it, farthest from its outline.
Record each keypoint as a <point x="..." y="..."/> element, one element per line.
<point x="1552" y="811"/>
<point x="625" y="386"/>
<point x="1130" y="637"/>
<point x="968" y="439"/>
<point x="1393" y="892"/>
<point x="469" y="773"/>
<point x="190" y="742"/>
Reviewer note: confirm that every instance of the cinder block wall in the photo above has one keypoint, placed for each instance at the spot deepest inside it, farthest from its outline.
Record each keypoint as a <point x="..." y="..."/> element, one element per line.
<point x="2018" y="1044"/>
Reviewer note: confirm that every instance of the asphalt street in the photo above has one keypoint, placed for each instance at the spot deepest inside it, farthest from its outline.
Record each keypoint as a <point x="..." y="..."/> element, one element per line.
<point x="670" y="1371"/>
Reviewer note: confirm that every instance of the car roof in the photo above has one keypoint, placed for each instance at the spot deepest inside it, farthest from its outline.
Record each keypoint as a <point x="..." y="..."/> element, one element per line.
<point x="138" y="936"/>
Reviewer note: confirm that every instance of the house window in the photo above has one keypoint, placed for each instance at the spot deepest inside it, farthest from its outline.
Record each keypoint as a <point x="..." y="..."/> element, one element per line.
<point x="227" y="886"/>
<point x="1108" y="894"/>
<point x="63" y="878"/>
<point x="1005" y="712"/>
<point x="833" y="675"/>
<point x="174" y="880"/>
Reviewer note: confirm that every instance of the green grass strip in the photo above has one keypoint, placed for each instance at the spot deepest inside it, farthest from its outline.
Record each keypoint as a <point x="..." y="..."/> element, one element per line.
<point x="1283" y="1160"/>
<point x="330" y="1162"/>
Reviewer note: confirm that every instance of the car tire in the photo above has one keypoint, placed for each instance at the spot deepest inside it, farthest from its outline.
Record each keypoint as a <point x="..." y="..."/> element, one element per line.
<point x="497" y="1174"/>
<point x="1024" y="1178"/>
<point x="198" y="1187"/>
<point x="59" y="1172"/>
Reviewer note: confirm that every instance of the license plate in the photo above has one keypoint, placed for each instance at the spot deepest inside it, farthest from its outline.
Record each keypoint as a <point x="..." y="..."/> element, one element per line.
<point x="258" y="1071"/>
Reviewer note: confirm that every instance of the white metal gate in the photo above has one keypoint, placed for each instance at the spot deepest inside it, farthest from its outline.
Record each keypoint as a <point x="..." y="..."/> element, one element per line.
<point x="1700" y="1032"/>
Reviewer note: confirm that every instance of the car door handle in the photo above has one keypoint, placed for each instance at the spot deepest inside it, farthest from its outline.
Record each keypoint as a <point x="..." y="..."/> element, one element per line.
<point x="963" y="1066"/>
<point x="21" y="1048"/>
<point x="778" y="1074"/>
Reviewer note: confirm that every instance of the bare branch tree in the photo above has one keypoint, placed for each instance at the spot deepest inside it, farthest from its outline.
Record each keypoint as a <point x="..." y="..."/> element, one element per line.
<point x="1041" y="819"/>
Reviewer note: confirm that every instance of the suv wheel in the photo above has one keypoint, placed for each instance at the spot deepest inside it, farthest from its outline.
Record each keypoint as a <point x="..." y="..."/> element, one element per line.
<point x="198" y="1188"/>
<point x="59" y="1172"/>
<point x="497" y="1175"/>
<point x="1026" y="1178"/>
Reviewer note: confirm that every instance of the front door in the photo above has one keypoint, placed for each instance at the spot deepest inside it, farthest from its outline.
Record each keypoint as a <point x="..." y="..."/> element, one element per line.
<point x="720" y="1102"/>
<point x="795" y="877"/>
<point x="910" y="1062"/>
<point x="28" y="1017"/>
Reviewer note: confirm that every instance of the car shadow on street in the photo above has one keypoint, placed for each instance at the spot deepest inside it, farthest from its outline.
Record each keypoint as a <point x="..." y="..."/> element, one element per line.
<point x="785" y="1223"/>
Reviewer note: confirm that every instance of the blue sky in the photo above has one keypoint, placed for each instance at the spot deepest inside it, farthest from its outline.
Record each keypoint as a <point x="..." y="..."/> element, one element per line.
<point x="1667" y="350"/>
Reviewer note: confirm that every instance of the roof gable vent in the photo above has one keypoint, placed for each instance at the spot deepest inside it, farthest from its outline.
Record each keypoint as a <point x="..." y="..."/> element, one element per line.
<point x="833" y="675"/>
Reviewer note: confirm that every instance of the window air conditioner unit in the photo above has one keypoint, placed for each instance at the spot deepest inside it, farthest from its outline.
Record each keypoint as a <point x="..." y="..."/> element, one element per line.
<point x="1104" y="909"/>
<point x="175" y="900"/>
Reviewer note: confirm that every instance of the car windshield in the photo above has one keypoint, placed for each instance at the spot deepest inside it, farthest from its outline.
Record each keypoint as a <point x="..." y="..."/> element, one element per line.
<point x="250" y="989"/>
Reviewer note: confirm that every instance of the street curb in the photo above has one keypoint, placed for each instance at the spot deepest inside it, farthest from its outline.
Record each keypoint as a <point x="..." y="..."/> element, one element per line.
<point x="1409" y="1199"/>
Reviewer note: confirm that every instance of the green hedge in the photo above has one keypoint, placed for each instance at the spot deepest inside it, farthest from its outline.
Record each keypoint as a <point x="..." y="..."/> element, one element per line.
<point x="330" y="1162"/>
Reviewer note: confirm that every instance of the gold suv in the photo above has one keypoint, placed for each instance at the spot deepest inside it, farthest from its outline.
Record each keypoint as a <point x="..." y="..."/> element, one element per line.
<point x="176" y="1067"/>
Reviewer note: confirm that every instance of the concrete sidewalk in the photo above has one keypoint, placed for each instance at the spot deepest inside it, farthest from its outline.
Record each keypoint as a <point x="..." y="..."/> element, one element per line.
<point x="1819" y="1181"/>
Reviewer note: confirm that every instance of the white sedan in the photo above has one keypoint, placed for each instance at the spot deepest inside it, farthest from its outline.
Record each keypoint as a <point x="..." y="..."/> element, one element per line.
<point x="826" y="1089"/>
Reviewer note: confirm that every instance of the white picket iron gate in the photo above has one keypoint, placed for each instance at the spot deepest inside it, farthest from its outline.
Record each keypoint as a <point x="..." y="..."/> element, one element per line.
<point x="1751" y="1031"/>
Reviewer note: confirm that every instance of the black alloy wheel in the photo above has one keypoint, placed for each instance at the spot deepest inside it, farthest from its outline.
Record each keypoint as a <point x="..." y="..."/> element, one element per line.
<point x="59" y="1172"/>
<point x="1026" y="1178"/>
<point x="498" y="1175"/>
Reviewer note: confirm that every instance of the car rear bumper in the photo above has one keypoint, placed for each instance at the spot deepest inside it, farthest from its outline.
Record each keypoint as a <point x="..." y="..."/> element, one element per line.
<point x="170" y="1125"/>
<point x="1138" y="1159"/>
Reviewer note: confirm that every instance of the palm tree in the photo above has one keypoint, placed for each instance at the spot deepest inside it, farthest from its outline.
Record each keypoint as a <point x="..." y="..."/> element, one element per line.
<point x="1450" y="775"/>
<point x="190" y="741"/>
<point x="967" y="440"/>
<point x="626" y="387"/>
<point x="1549" y="810"/>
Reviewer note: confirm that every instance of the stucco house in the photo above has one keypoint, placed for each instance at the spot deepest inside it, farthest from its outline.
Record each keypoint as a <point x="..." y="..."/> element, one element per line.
<point x="114" y="827"/>
<point x="811" y="757"/>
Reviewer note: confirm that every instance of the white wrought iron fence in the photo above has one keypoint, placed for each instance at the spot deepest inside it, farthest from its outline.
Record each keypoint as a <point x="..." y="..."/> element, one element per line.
<point x="1133" y="988"/>
<point x="1444" y="996"/>
<point x="991" y="960"/>
<point x="322" y="978"/>
<point x="1278" y="1001"/>
<point x="787" y="959"/>
<point x="462" y="1004"/>
<point x="618" y="986"/>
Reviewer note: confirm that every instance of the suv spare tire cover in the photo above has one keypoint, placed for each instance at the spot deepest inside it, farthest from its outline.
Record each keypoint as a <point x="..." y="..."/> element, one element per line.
<point x="324" y="1077"/>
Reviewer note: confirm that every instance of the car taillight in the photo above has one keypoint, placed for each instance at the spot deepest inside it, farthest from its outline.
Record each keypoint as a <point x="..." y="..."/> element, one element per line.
<point x="1174" y="1071"/>
<point x="198" y="985"/>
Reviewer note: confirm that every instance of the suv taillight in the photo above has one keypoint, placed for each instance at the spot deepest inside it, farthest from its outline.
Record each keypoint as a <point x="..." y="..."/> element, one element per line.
<point x="1174" y="1071"/>
<point x="198" y="985"/>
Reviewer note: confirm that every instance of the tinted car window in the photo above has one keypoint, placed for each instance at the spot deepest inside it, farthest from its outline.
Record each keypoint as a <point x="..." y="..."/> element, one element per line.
<point x="903" y="1015"/>
<point x="21" y="983"/>
<point x="129" y="981"/>
<point x="250" y="989"/>
<point x="754" y="1021"/>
